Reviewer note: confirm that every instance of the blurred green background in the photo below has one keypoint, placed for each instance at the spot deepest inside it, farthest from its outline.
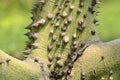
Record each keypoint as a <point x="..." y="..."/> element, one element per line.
<point x="15" y="15"/>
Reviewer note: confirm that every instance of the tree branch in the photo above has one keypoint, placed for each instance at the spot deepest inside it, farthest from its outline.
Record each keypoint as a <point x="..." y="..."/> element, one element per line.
<point x="100" y="60"/>
<point x="14" y="69"/>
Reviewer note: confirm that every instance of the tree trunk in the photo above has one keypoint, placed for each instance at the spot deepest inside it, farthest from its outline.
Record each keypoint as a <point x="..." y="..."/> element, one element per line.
<point x="63" y="45"/>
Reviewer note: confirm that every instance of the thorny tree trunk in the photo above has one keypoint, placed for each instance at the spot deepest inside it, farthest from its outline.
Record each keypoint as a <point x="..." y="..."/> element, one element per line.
<point x="63" y="45"/>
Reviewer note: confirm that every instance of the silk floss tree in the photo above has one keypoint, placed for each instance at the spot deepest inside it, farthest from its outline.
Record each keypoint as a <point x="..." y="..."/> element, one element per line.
<point x="63" y="45"/>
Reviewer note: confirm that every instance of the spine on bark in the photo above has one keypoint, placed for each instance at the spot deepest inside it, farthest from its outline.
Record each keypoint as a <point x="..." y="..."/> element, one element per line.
<point x="70" y="27"/>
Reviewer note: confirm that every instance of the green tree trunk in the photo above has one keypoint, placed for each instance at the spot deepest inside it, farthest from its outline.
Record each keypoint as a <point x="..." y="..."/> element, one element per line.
<point x="63" y="45"/>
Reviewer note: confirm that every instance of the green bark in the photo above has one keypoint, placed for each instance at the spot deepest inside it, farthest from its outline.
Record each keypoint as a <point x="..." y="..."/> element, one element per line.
<point x="63" y="45"/>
